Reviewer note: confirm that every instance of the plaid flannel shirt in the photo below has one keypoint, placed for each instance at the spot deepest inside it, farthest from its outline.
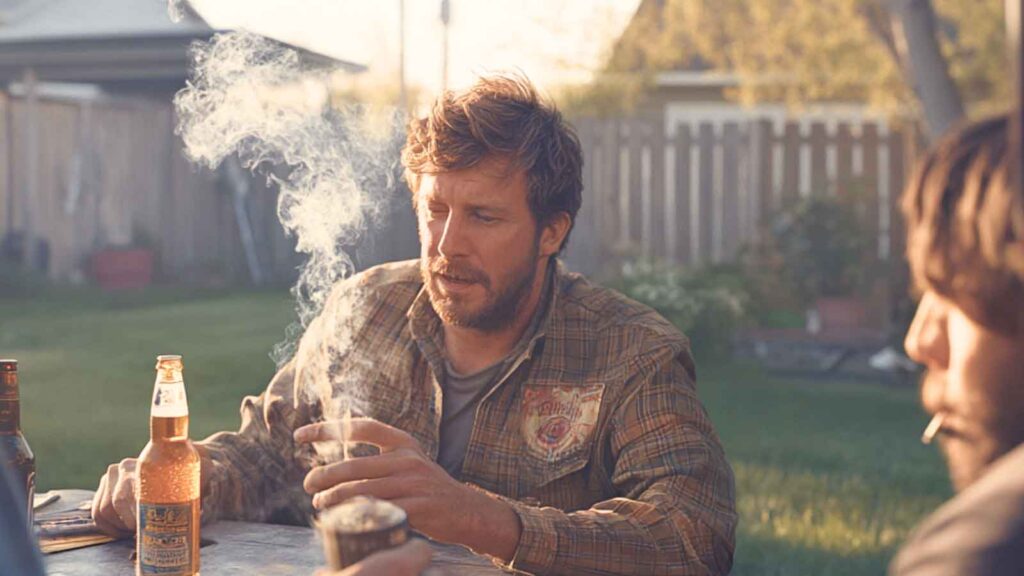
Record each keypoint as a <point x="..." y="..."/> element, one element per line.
<point x="594" y="434"/>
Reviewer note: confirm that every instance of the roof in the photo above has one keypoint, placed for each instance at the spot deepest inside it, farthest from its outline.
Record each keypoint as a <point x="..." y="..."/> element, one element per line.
<point x="50" y="20"/>
<point x="122" y="43"/>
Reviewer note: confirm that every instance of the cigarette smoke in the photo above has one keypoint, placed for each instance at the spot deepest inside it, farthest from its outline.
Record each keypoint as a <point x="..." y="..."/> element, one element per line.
<point x="335" y="168"/>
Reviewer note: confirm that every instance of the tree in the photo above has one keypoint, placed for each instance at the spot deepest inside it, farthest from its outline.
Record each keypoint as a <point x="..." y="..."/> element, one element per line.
<point x="925" y="56"/>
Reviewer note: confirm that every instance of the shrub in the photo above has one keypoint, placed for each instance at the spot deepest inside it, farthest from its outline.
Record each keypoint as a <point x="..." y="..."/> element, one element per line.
<point x="822" y="247"/>
<point x="708" y="305"/>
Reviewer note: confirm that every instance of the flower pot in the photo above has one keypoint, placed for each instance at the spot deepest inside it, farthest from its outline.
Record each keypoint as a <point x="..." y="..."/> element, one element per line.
<point x="842" y="313"/>
<point x="122" y="268"/>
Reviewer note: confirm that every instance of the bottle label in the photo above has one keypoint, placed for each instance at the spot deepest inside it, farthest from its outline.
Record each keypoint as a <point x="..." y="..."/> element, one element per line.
<point x="8" y="416"/>
<point x="9" y="407"/>
<point x="169" y="400"/>
<point x="165" y="539"/>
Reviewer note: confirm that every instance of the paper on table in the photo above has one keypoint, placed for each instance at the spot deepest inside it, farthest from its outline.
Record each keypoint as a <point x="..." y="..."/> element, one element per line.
<point x="44" y="499"/>
<point x="68" y="530"/>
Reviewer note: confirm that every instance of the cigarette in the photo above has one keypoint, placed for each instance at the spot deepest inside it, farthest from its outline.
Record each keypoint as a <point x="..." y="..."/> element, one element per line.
<point x="933" y="428"/>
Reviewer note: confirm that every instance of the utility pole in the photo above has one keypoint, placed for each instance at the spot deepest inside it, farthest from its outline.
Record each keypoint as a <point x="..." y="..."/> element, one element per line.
<point x="446" y="14"/>
<point x="403" y="102"/>
<point x="31" y="191"/>
<point x="1014" y="24"/>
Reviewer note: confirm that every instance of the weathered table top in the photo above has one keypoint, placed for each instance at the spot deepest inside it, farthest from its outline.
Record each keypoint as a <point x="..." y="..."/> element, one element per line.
<point x="238" y="548"/>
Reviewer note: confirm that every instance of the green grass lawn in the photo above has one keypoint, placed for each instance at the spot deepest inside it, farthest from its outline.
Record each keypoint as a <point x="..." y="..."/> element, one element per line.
<point x="830" y="476"/>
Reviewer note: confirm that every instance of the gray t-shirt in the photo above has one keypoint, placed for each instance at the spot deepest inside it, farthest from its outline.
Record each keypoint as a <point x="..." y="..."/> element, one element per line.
<point x="462" y="394"/>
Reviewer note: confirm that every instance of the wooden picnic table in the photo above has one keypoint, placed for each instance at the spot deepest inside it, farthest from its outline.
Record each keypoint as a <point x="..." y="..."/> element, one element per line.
<point x="238" y="548"/>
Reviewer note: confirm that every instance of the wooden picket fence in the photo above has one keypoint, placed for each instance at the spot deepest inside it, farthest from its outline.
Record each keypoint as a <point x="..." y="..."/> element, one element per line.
<point x="687" y="193"/>
<point x="110" y="173"/>
<point x="694" y="193"/>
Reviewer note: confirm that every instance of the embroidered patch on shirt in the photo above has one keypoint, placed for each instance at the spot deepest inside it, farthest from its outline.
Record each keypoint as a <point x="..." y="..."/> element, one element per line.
<point x="557" y="419"/>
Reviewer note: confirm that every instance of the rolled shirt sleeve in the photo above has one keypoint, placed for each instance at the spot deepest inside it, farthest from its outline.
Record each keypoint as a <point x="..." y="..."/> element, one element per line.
<point x="255" y="474"/>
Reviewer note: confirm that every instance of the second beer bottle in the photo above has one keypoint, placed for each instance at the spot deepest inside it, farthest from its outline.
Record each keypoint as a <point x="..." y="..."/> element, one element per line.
<point x="168" y="482"/>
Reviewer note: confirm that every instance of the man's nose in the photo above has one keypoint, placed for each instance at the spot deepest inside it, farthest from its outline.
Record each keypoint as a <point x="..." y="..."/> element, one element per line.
<point x="453" y="241"/>
<point x="927" y="341"/>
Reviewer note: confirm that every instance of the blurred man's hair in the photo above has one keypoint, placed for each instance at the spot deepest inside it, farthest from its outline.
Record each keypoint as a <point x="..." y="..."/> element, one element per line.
<point x="965" y="225"/>
<point x="501" y="117"/>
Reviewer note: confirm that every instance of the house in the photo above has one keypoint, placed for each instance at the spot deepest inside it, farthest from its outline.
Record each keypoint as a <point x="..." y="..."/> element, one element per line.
<point x="89" y="162"/>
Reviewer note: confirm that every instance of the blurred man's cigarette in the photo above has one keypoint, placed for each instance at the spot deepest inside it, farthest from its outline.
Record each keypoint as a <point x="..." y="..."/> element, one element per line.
<point x="933" y="428"/>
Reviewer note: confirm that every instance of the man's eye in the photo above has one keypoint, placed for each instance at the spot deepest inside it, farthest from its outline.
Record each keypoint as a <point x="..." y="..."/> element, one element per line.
<point x="484" y="218"/>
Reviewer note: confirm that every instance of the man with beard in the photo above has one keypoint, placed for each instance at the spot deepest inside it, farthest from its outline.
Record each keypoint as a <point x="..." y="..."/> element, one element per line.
<point x="518" y="409"/>
<point x="966" y="249"/>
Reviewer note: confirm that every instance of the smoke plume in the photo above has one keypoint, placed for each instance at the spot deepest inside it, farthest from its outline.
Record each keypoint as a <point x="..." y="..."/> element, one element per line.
<point x="335" y="167"/>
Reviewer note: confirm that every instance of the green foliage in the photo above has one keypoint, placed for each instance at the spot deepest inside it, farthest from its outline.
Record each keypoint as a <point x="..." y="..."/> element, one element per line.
<point x="821" y="242"/>
<point x="805" y="51"/>
<point x="607" y="95"/>
<point x="708" y="305"/>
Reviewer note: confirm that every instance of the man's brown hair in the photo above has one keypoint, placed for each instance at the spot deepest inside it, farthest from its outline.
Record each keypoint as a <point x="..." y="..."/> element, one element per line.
<point x="504" y="117"/>
<point x="965" y="225"/>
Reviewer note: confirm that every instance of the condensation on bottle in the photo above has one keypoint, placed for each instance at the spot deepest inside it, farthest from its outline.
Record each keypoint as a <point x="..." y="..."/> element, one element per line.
<point x="168" y="481"/>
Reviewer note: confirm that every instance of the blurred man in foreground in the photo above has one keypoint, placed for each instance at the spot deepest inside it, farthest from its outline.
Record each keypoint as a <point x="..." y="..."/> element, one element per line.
<point x="966" y="249"/>
<point x="518" y="409"/>
<point x="18" y="551"/>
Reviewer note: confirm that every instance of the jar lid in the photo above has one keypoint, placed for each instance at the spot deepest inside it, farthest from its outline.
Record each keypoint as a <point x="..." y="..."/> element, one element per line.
<point x="8" y="365"/>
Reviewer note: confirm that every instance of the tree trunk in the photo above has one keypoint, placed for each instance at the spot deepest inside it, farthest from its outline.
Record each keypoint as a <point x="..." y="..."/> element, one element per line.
<point x="914" y="27"/>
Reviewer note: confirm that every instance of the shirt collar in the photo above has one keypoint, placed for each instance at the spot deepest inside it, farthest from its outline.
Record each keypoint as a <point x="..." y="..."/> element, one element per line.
<point x="426" y="326"/>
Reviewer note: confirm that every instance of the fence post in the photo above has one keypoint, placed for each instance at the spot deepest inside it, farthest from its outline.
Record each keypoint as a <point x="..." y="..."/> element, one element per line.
<point x="819" y="144"/>
<point x="872" y="201"/>
<point x="656" y="210"/>
<point x="730" y="232"/>
<point x="681" y="248"/>
<point x="706" y="197"/>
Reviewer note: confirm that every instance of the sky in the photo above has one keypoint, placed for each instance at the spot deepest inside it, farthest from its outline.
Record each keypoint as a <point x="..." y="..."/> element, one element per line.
<point x="552" y="41"/>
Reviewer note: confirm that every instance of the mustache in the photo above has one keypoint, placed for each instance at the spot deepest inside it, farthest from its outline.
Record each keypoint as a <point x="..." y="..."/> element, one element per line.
<point x="464" y="272"/>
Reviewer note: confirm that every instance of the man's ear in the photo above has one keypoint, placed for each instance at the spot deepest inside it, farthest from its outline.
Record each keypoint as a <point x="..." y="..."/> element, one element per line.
<point x="554" y="233"/>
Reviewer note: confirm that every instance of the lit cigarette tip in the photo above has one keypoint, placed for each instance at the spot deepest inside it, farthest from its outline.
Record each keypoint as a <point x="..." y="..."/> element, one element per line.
<point x="933" y="429"/>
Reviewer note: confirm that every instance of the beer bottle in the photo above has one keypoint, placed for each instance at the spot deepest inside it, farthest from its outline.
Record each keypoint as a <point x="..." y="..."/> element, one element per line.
<point x="168" y="482"/>
<point x="13" y="448"/>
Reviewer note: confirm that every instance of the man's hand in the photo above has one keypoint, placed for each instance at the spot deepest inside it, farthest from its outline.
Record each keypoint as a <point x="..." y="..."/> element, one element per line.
<point x="113" y="505"/>
<point x="409" y="559"/>
<point x="437" y="505"/>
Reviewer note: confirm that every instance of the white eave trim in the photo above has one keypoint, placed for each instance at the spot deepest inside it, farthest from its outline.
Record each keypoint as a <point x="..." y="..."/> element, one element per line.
<point x="687" y="78"/>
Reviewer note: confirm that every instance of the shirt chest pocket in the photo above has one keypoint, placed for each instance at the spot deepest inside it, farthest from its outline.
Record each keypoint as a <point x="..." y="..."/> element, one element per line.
<point x="557" y="426"/>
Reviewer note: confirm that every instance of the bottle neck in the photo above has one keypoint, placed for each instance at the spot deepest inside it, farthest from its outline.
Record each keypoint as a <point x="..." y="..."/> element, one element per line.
<point x="173" y="429"/>
<point x="10" y="404"/>
<point x="168" y="416"/>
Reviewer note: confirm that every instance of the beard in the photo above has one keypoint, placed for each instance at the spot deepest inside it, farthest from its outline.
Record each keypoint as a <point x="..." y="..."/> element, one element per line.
<point x="977" y="434"/>
<point x="969" y="457"/>
<point x="501" y="304"/>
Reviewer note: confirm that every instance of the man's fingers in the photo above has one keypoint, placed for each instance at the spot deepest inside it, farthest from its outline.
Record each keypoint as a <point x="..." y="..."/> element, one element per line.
<point x="97" y="497"/>
<point x="320" y="432"/>
<point x="409" y="559"/>
<point x="365" y="430"/>
<point x="382" y="488"/>
<point x="104" y="514"/>
<point x="387" y="438"/>
<point x="323" y="477"/>
<point x="123" y="500"/>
